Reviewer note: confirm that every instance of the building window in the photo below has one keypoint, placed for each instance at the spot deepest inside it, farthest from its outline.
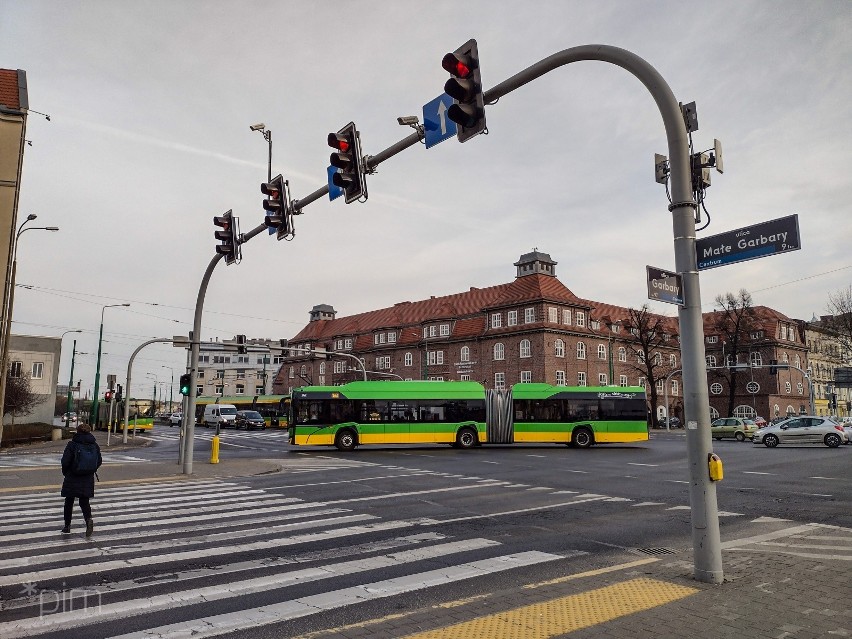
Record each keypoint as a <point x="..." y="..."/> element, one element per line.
<point x="800" y="388"/>
<point x="798" y="362"/>
<point x="347" y="343"/>
<point x="278" y="359"/>
<point x="560" y="378"/>
<point x="716" y="388"/>
<point x="322" y="368"/>
<point x="465" y="354"/>
<point x="445" y="330"/>
<point x="783" y="331"/>
<point x="552" y="314"/>
<point x="339" y="367"/>
<point x="756" y="359"/>
<point x="383" y="363"/>
<point x="658" y="359"/>
<point x="566" y="316"/>
<point x="622" y="380"/>
<point x="512" y="318"/>
<point x="435" y="357"/>
<point x="200" y="374"/>
<point x="464" y="377"/>
<point x="711" y="360"/>
<point x="529" y="315"/>
<point x="640" y="357"/>
<point x="581" y="378"/>
<point x="712" y="339"/>
<point x="622" y="354"/>
<point x="38" y="370"/>
<point x="15" y="369"/>
<point x="581" y="350"/>
<point x="526" y="377"/>
<point x="674" y="387"/>
<point x="240" y="389"/>
<point x="785" y="358"/>
<point x="204" y="358"/>
<point x="303" y="371"/>
<point x="391" y="338"/>
<point x="642" y="382"/>
<point x="581" y="318"/>
<point x="526" y="348"/>
<point x="499" y="351"/>
<point x="243" y="359"/>
<point x="220" y="374"/>
<point x="500" y="381"/>
<point x="659" y="386"/>
<point x="601" y="351"/>
<point x="756" y="334"/>
<point x="241" y="373"/>
<point x="259" y="390"/>
<point x="220" y="390"/>
<point x="673" y="360"/>
<point x="595" y="324"/>
<point x="788" y="387"/>
<point x="730" y="359"/>
<point x="199" y="390"/>
<point x="496" y="320"/>
<point x="292" y="373"/>
<point x="559" y="348"/>
<point x="409" y="359"/>
<point x="602" y="380"/>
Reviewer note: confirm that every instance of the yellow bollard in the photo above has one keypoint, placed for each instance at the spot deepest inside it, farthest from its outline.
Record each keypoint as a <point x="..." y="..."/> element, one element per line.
<point x="214" y="450"/>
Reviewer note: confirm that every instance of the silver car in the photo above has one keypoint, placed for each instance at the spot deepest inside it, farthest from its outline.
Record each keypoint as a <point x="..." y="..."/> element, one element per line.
<point x="802" y="429"/>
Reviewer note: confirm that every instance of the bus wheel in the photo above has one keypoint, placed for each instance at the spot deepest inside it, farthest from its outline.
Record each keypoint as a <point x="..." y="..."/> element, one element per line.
<point x="582" y="438"/>
<point x="345" y="441"/>
<point x="466" y="438"/>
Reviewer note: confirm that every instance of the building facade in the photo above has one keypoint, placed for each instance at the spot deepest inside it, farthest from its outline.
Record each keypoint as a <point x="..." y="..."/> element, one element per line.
<point x="534" y="329"/>
<point x="827" y="351"/>
<point x="225" y="372"/>
<point x="36" y="358"/>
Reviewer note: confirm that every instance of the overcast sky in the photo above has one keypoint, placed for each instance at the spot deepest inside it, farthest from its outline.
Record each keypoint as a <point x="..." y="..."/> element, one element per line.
<point x="150" y="105"/>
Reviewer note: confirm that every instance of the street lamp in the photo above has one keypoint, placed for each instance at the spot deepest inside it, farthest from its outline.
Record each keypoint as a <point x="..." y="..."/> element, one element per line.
<point x="171" y="387"/>
<point x="71" y="377"/>
<point x="8" y="305"/>
<point x="98" y="366"/>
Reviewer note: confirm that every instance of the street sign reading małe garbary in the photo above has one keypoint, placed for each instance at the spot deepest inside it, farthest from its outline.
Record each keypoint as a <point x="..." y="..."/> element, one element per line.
<point x="748" y="243"/>
<point x="664" y="286"/>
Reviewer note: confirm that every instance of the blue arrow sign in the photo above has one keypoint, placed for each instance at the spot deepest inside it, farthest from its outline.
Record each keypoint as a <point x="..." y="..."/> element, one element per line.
<point x="437" y="126"/>
<point x="334" y="191"/>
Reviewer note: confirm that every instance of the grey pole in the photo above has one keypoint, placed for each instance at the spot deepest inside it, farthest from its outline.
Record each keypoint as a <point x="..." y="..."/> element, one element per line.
<point x="127" y="382"/>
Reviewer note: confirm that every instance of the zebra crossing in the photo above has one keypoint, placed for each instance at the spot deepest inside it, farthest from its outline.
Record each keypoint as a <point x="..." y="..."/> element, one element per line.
<point x="54" y="460"/>
<point x="173" y="435"/>
<point x="187" y="548"/>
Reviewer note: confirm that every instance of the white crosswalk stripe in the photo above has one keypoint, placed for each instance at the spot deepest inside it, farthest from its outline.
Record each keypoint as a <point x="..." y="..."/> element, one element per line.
<point x="179" y="546"/>
<point x="27" y="461"/>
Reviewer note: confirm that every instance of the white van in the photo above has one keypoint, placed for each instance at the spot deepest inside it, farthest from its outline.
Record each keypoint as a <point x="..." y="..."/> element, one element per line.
<point x="222" y="415"/>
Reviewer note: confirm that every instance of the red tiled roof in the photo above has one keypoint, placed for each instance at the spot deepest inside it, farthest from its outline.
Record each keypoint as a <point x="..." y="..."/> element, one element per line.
<point x="9" y="89"/>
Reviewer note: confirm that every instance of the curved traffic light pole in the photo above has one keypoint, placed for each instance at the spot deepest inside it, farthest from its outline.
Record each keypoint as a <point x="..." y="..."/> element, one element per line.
<point x="127" y="382"/>
<point x="702" y="492"/>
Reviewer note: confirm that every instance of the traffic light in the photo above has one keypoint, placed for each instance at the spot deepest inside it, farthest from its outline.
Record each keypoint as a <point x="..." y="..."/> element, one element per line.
<point x="229" y="237"/>
<point x="241" y="345"/>
<point x="347" y="158"/>
<point x="185" y="381"/>
<point x="277" y="206"/>
<point x="118" y="393"/>
<point x="773" y="366"/>
<point x="465" y="87"/>
<point x="108" y="396"/>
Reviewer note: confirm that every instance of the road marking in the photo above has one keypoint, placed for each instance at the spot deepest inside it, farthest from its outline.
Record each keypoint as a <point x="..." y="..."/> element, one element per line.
<point x="144" y="605"/>
<point x="676" y="481"/>
<point x="785" y="532"/>
<point x="566" y="614"/>
<point x="275" y="613"/>
<point x="828" y="478"/>
<point x="582" y="499"/>
<point x="637" y="464"/>
<point x="754" y="472"/>
<point x="585" y="472"/>
<point x="649" y="503"/>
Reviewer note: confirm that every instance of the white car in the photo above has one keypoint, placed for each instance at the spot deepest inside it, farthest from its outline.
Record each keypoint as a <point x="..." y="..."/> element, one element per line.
<point x="175" y="419"/>
<point x="847" y="428"/>
<point x="802" y="429"/>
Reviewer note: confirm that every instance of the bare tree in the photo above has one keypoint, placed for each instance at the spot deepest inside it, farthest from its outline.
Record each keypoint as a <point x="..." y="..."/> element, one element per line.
<point x="644" y="351"/>
<point x="839" y="308"/>
<point x="20" y="399"/>
<point x="734" y="322"/>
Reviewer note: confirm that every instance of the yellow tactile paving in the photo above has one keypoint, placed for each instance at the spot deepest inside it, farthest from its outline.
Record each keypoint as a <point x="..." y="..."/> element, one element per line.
<point x="565" y="614"/>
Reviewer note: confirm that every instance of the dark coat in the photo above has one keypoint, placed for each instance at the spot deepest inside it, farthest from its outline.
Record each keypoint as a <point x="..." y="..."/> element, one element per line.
<point x="78" y="485"/>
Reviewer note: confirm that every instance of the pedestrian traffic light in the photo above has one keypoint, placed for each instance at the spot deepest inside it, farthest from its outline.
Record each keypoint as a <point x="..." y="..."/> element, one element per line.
<point x="277" y="206"/>
<point x="350" y="176"/>
<point x="185" y="381"/>
<point x="228" y="237"/>
<point x="465" y="87"/>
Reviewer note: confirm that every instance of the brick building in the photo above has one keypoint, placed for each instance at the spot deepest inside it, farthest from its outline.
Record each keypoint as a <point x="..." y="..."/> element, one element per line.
<point x="533" y="329"/>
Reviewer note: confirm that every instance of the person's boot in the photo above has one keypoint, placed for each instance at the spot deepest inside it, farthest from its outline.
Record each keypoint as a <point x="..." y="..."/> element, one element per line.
<point x="67" y="529"/>
<point x="90" y="526"/>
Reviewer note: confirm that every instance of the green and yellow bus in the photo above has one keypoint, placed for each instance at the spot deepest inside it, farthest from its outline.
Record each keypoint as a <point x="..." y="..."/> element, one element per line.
<point x="464" y="414"/>
<point x="275" y="409"/>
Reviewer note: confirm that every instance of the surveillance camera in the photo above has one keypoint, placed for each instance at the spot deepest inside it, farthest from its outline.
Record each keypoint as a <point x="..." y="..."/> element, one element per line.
<point x="258" y="127"/>
<point x="408" y="120"/>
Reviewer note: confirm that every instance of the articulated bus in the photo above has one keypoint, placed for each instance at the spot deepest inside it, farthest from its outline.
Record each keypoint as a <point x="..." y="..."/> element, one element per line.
<point x="275" y="409"/>
<point x="464" y="414"/>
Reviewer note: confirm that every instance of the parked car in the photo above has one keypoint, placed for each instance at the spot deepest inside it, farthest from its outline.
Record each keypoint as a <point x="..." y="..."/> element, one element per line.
<point x="673" y="422"/>
<point x="802" y="429"/>
<point x="175" y="419"/>
<point x="249" y="419"/>
<point x="736" y="427"/>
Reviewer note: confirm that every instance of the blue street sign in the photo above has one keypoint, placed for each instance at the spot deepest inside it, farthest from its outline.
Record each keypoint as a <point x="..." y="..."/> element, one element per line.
<point x="334" y="191"/>
<point x="664" y="286"/>
<point x="437" y="126"/>
<point x="749" y="243"/>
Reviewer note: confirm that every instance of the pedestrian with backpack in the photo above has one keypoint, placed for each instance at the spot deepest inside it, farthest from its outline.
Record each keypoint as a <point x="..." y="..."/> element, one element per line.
<point x="80" y="462"/>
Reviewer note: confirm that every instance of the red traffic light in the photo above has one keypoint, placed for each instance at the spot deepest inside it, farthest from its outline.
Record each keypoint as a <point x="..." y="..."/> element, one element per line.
<point x="461" y="66"/>
<point x="223" y="221"/>
<point x="339" y="142"/>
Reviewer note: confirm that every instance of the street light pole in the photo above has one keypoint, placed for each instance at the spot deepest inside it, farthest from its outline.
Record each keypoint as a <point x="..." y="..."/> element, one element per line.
<point x="8" y="305"/>
<point x="94" y="414"/>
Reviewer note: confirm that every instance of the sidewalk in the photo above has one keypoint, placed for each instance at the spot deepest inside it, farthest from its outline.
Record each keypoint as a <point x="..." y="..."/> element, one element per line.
<point x="42" y="471"/>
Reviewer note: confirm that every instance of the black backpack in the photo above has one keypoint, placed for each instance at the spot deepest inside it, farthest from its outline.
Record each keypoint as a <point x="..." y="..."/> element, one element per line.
<point x="85" y="460"/>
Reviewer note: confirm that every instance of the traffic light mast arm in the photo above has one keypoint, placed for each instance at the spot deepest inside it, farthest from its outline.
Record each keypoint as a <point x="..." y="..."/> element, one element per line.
<point x="129" y="370"/>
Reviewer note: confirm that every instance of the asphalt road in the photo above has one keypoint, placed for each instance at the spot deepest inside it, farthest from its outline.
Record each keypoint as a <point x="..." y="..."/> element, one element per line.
<point x="355" y="523"/>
